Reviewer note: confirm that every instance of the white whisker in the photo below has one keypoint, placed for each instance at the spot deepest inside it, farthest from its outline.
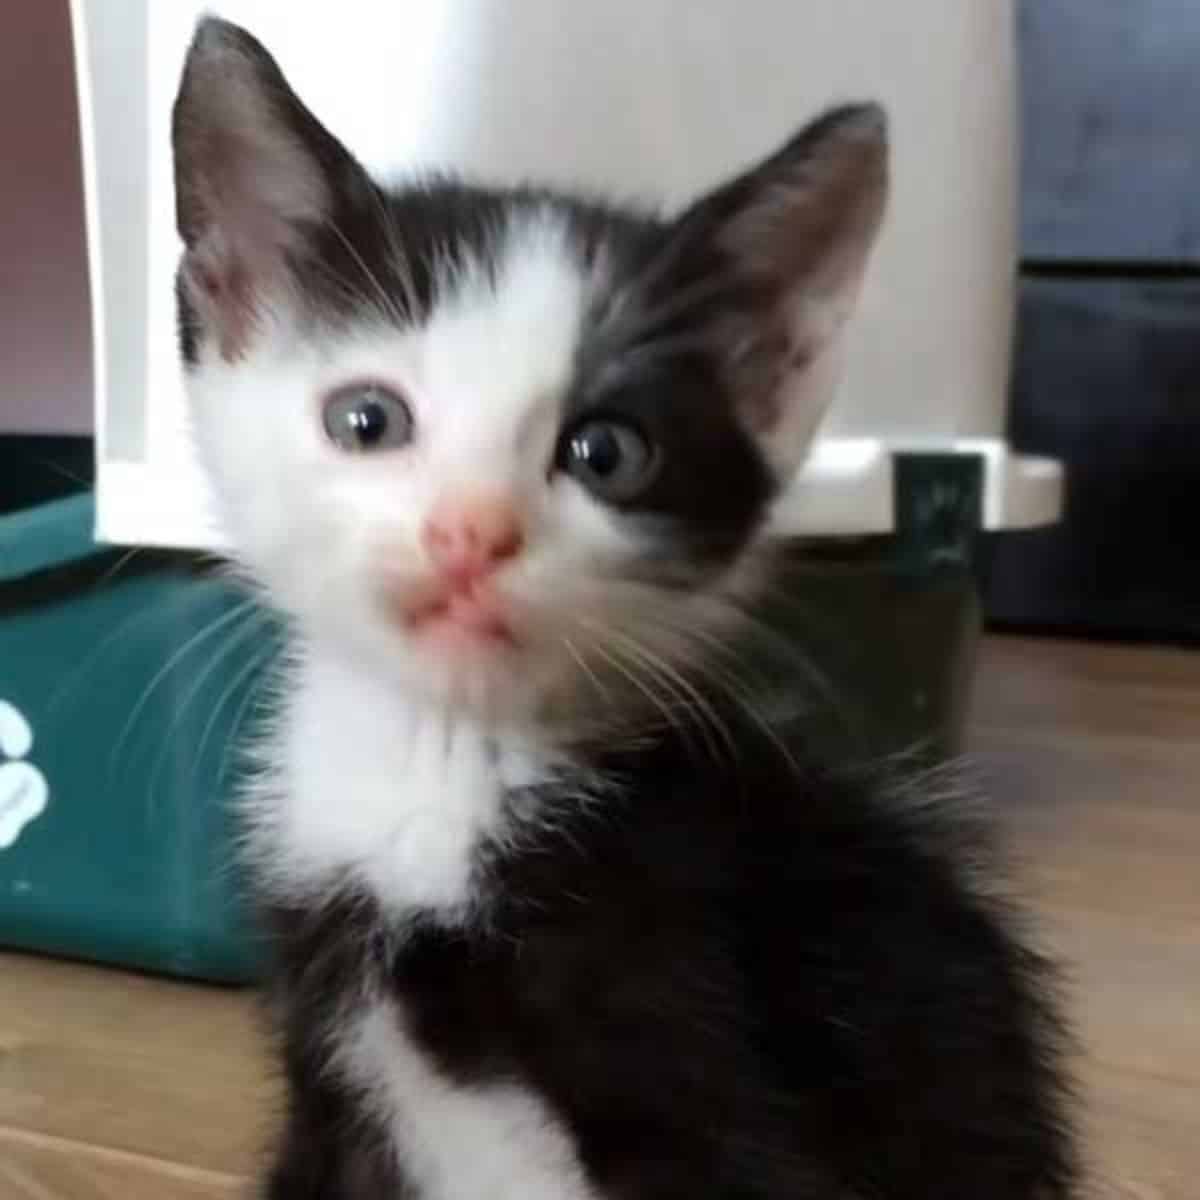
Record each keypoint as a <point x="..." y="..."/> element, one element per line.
<point x="388" y="304"/>
<point x="634" y="678"/>
<point x="400" y="261"/>
<point x="233" y="640"/>
<point x="199" y="638"/>
<point x="709" y="718"/>
<point x="589" y="674"/>
<point x="253" y="663"/>
<point x="253" y="693"/>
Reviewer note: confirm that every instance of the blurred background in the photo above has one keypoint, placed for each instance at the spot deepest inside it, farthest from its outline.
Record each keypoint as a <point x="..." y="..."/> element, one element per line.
<point x="126" y="672"/>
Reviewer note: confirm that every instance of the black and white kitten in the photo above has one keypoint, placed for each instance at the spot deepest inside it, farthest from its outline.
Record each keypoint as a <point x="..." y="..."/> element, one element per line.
<point x="558" y="918"/>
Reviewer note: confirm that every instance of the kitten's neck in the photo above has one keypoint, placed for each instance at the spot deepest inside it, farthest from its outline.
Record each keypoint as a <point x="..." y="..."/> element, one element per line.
<point x="378" y="789"/>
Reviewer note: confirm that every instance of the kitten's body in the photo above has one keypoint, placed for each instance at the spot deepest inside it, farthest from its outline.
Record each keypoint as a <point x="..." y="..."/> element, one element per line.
<point x="726" y="980"/>
<point x="559" y="914"/>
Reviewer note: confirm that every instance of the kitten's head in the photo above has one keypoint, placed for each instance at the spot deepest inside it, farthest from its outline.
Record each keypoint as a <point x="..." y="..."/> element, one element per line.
<point x="512" y="448"/>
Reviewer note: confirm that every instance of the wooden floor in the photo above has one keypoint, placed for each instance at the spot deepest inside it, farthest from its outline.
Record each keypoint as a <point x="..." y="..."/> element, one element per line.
<point x="117" y="1087"/>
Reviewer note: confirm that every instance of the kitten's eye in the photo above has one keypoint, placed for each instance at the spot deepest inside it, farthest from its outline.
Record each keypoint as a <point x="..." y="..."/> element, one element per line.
<point x="367" y="416"/>
<point x="611" y="459"/>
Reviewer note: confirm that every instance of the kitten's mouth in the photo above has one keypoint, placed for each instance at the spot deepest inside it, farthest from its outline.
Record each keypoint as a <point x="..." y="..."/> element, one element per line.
<point x="459" y="615"/>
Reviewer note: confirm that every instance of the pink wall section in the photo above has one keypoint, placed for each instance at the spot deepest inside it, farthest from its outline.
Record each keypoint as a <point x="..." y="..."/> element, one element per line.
<point x="45" y="344"/>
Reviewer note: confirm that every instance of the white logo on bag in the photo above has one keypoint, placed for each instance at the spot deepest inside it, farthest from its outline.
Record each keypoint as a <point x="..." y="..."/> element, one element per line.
<point x="23" y="788"/>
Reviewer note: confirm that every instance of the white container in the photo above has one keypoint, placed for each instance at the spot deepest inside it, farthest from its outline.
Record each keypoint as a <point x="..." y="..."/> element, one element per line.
<point x="647" y="99"/>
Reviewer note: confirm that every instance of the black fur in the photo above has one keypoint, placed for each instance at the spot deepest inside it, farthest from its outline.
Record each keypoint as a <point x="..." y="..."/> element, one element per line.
<point x="730" y="981"/>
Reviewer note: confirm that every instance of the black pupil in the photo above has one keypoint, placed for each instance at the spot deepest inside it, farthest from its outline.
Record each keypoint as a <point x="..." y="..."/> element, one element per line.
<point x="600" y="449"/>
<point x="368" y="421"/>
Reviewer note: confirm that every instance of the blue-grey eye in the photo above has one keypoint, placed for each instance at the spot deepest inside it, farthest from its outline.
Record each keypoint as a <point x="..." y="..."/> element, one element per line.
<point x="612" y="459"/>
<point x="367" y="416"/>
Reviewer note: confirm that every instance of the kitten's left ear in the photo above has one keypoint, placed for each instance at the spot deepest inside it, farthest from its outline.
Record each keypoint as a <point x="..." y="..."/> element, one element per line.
<point x="257" y="177"/>
<point x="794" y="235"/>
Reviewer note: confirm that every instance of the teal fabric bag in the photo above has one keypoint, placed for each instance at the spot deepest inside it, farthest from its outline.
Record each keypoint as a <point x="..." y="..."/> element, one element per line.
<point x="122" y="678"/>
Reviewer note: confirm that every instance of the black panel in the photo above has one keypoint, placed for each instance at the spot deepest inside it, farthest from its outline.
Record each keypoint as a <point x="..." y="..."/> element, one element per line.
<point x="1111" y="115"/>
<point x="1108" y="380"/>
<point x="36" y="468"/>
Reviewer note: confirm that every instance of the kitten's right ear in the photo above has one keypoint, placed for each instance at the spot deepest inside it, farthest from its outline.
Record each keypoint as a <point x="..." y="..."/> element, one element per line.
<point x="256" y="177"/>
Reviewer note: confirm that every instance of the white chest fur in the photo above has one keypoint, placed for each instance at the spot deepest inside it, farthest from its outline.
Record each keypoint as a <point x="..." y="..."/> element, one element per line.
<point x="375" y="786"/>
<point x="369" y="784"/>
<point x="459" y="1143"/>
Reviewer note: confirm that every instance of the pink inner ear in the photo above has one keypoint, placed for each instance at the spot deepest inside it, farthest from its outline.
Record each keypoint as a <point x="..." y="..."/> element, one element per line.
<point x="222" y="287"/>
<point x="761" y="363"/>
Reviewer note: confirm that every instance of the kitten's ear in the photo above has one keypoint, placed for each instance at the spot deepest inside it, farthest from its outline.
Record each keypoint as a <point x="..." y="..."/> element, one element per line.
<point x="256" y="177"/>
<point x="795" y="233"/>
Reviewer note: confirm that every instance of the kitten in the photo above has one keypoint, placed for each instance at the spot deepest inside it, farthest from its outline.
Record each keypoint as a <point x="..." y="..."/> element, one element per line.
<point x="555" y="916"/>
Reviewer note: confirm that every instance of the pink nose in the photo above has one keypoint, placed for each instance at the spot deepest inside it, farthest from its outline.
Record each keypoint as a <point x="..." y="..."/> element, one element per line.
<point x="468" y="535"/>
